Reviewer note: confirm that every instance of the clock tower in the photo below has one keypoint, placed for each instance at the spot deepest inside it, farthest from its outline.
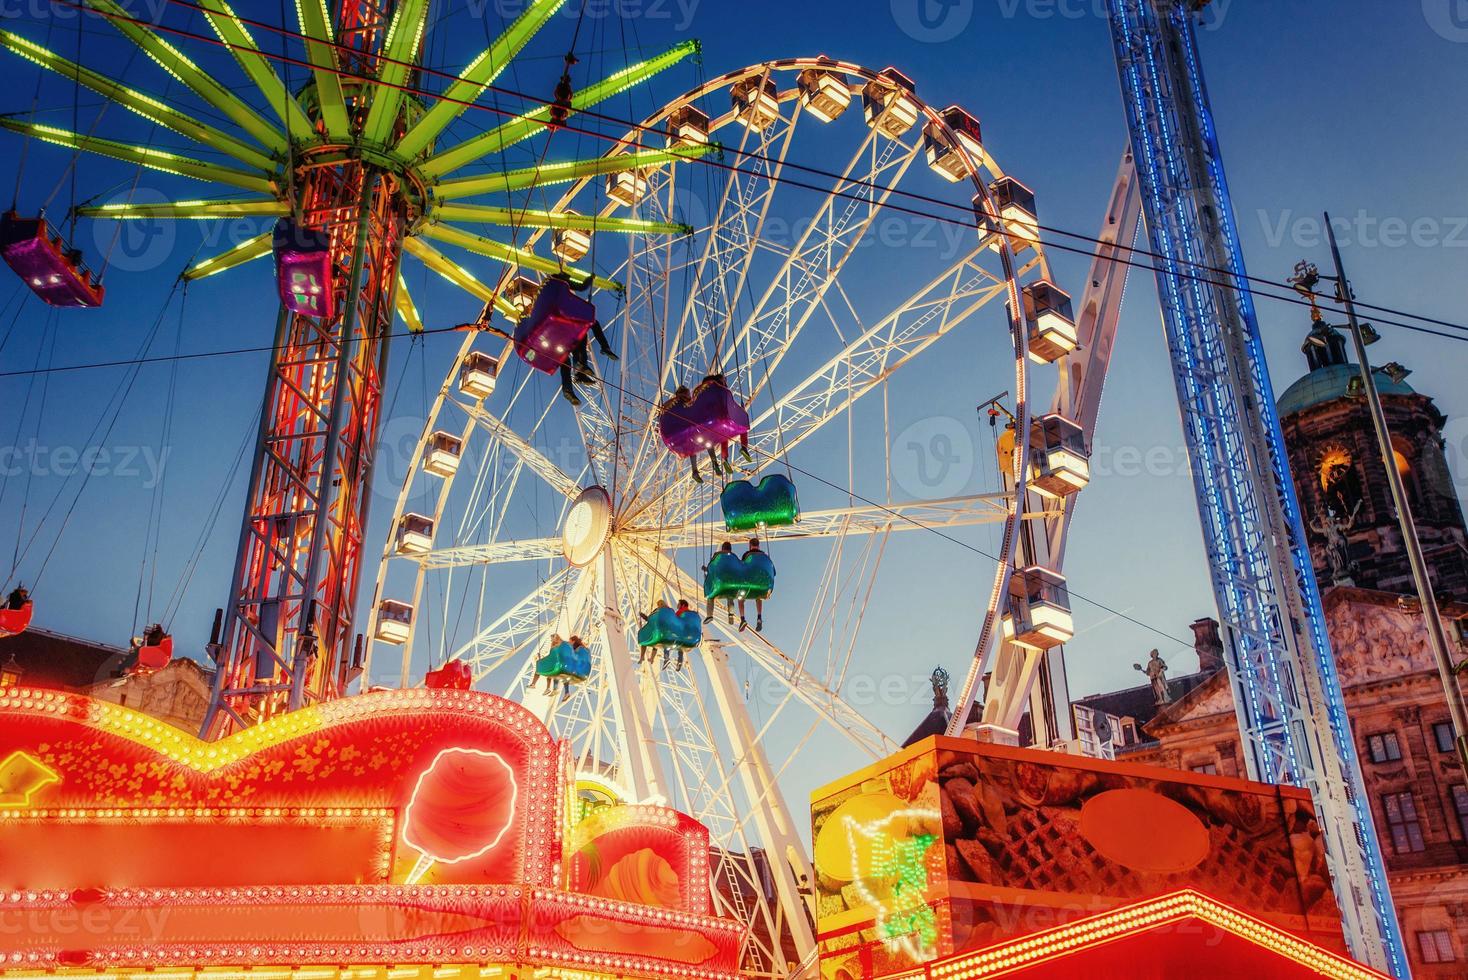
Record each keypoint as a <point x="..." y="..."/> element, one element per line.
<point x="1343" y="491"/>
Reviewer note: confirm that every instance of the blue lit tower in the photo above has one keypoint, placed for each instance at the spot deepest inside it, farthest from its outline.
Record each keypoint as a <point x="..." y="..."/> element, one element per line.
<point x="1286" y="691"/>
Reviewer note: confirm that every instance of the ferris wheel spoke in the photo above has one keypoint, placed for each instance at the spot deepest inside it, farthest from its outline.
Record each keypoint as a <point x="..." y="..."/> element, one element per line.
<point x="530" y="123"/>
<point x="536" y="461"/>
<point x="314" y="21"/>
<point x="799" y="287"/>
<point x="720" y="274"/>
<point x="948" y="512"/>
<point x="522" y="624"/>
<point x="404" y="33"/>
<point x="245" y="251"/>
<point x="797" y="681"/>
<point x="152" y="109"/>
<point x="914" y="325"/>
<point x="476" y="77"/>
<point x="169" y="163"/>
<point x="492" y="553"/>
<point x="917" y="323"/>
<point x="241" y="43"/>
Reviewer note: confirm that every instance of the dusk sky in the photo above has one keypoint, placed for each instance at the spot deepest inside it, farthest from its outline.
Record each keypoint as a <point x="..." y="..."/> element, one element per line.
<point x="1351" y="106"/>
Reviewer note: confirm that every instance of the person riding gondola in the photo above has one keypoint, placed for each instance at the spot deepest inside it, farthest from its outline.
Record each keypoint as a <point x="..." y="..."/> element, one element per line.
<point x="15" y="613"/>
<point x="727" y="548"/>
<point x="649" y="652"/>
<point x="577" y="367"/>
<point x="705" y="419"/>
<point x="683" y="609"/>
<point x="535" y="673"/>
<point x="759" y="603"/>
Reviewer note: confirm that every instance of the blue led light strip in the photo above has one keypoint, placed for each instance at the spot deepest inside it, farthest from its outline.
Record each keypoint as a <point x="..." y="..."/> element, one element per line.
<point x="1286" y="689"/>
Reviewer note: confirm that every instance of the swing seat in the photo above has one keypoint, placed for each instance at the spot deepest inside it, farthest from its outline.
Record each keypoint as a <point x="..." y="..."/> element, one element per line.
<point x="303" y="269"/>
<point x="452" y="676"/>
<point x="731" y="577"/>
<point x="712" y="417"/>
<point x="772" y="503"/>
<point x="557" y="322"/>
<point x="155" y="656"/>
<point x="666" y="628"/>
<point x="53" y="270"/>
<point x="565" y="660"/>
<point x="14" y="621"/>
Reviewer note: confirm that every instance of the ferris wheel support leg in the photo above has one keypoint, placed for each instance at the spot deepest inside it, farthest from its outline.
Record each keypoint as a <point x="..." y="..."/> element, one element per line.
<point x="788" y="862"/>
<point x="1078" y="391"/>
<point x="639" y="749"/>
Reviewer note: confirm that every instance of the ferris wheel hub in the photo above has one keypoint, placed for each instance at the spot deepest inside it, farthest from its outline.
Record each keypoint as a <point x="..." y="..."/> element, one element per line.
<point x="587" y="527"/>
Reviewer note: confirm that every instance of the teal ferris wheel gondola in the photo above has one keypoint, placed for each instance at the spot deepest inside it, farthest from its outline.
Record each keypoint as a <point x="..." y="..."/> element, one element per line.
<point x="771" y="503"/>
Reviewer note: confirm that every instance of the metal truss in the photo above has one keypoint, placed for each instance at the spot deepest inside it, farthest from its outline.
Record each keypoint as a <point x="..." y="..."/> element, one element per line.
<point x="1286" y="690"/>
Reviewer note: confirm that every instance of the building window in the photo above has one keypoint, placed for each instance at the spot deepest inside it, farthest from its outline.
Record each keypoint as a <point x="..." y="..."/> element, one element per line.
<point x="1460" y="807"/>
<point x="1384" y="747"/>
<point x="1442" y="733"/>
<point x="1206" y="768"/>
<point x="1436" y="946"/>
<point x="1401" y="818"/>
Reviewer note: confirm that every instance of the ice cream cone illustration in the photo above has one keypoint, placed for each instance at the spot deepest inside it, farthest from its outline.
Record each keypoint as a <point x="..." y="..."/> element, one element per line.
<point x="461" y="808"/>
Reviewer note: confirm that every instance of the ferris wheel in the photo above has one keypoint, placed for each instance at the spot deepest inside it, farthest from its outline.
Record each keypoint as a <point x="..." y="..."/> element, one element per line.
<point x="524" y="518"/>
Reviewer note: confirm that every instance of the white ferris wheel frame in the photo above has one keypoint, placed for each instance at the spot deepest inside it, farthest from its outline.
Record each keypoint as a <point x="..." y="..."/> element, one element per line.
<point x="619" y="714"/>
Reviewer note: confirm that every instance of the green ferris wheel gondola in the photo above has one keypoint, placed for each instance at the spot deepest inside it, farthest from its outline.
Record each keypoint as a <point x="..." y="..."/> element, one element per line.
<point x="771" y="503"/>
<point x="732" y="577"/>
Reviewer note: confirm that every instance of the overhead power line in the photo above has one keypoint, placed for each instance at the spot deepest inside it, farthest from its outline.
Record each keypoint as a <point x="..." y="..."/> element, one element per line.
<point x="967" y="220"/>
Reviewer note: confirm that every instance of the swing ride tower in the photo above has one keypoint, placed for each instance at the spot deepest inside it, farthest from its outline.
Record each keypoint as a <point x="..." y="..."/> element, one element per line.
<point x="287" y="638"/>
<point x="1286" y="691"/>
<point x="352" y="169"/>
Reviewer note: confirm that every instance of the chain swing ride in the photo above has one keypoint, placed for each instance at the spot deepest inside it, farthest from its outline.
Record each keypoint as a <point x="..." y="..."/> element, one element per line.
<point x="782" y="332"/>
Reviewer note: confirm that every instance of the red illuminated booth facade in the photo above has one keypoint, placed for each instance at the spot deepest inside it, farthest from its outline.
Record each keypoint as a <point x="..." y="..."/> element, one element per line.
<point x="394" y="829"/>
<point x="955" y="859"/>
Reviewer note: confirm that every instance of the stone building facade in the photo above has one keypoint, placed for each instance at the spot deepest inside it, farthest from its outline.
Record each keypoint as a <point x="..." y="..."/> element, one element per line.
<point x="177" y="693"/>
<point x="1393" y="692"/>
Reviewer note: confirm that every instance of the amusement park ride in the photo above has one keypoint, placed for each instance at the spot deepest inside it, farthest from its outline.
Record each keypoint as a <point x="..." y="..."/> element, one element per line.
<point x="353" y="174"/>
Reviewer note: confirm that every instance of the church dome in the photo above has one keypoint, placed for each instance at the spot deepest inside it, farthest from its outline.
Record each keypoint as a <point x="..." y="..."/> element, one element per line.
<point x="1328" y="383"/>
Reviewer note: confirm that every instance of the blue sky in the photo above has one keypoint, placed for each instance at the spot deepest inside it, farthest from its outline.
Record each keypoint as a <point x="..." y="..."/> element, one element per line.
<point x="1340" y="111"/>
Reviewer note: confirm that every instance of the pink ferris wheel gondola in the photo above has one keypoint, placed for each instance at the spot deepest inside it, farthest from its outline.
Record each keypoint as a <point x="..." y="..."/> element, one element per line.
<point x="709" y="416"/>
<point x="556" y="324"/>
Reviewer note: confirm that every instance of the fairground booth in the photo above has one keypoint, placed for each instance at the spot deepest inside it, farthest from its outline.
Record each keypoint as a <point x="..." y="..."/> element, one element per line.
<point x="956" y="859"/>
<point x="418" y="833"/>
